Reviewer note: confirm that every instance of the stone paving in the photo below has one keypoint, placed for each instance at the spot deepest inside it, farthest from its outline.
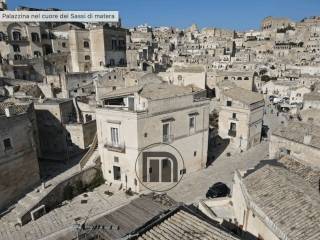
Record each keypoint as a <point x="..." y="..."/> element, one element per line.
<point x="194" y="186"/>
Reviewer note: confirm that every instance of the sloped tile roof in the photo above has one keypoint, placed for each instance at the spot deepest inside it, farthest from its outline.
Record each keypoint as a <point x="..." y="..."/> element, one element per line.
<point x="287" y="200"/>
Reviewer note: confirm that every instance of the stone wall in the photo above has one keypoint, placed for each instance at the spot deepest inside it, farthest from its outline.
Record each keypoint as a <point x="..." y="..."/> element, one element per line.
<point x="67" y="189"/>
<point x="245" y="216"/>
<point x="82" y="134"/>
<point x="18" y="165"/>
<point x="295" y="149"/>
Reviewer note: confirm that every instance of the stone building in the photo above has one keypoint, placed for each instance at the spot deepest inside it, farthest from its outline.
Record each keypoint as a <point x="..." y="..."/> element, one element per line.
<point x="131" y="119"/>
<point x="108" y="82"/>
<point x="278" y="88"/>
<point x="241" y="116"/>
<point x="299" y="140"/>
<point x="297" y="94"/>
<point x="186" y="74"/>
<point x="89" y="49"/>
<point x="195" y="225"/>
<point x="241" y="78"/>
<point x="280" y="196"/>
<point x="269" y="202"/>
<point x="29" y="51"/>
<point x="21" y="51"/>
<point x="18" y="152"/>
<point x="271" y="23"/>
<point x="62" y="131"/>
<point x="311" y="100"/>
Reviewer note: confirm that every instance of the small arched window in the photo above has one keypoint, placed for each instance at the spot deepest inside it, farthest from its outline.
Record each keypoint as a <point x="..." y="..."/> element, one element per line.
<point x="87" y="57"/>
<point x="239" y="78"/>
<point x="86" y="44"/>
<point x="246" y="78"/>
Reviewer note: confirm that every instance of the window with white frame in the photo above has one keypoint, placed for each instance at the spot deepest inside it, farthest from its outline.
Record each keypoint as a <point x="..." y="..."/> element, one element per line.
<point x="166" y="132"/>
<point x="114" y="136"/>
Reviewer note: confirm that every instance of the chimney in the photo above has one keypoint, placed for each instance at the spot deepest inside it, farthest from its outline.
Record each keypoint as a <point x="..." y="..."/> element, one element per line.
<point x="9" y="111"/>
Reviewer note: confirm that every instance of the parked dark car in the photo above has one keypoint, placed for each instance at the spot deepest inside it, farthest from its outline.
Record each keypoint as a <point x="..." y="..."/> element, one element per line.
<point x="218" y="189"/>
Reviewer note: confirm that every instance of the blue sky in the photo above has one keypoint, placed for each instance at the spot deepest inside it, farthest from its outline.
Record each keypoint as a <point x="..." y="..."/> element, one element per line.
<point x="233" y="14"/>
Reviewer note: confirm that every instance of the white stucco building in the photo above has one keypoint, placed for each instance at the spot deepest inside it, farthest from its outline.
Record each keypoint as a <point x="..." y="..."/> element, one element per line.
<point x="241" y="116"/>
<point x="132" y="118"/>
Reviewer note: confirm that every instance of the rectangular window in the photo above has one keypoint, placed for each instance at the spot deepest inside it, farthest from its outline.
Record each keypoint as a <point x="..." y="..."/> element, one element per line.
<point x="116" y="159"/>
<point x="229" y="103"/>
<point x="7" y="144"/>
<point x="192" y="124"/>
<point x="114" y="44"/>
<point x="114" y="136"/>
<point x="234" y="115"/>
<point x="16" y="48"/>
<point x="166" y="132"/>
<point x="116" y="173"/>
<point x="233" y="127"/>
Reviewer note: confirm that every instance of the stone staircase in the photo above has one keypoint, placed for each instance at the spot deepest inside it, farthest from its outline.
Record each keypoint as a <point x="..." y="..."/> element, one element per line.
<point x="92" y="151"/>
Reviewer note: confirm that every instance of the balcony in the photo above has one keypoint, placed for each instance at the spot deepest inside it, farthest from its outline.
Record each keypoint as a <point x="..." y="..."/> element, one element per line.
<point x="121" y="48"/>
<point x="167" y="138"/>
<point x="19" y="40"/>
<point x="232" y="133"/>
<point x="115" y="147"/>
<point x="23" y="61"/>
